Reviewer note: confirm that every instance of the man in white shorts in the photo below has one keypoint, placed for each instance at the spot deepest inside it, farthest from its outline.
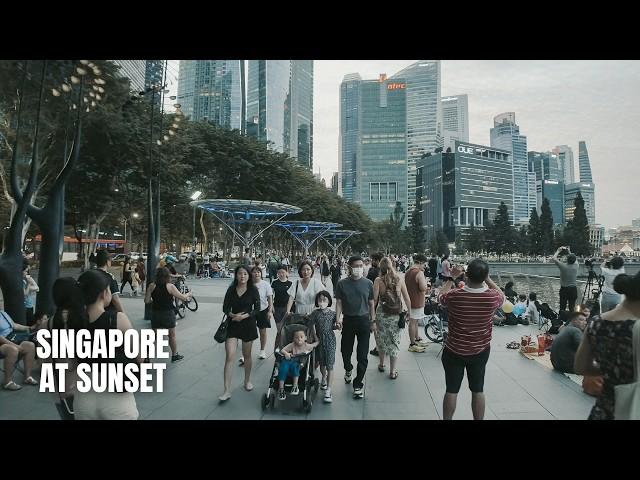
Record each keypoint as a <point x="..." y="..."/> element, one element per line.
<point x="417" y="288"/>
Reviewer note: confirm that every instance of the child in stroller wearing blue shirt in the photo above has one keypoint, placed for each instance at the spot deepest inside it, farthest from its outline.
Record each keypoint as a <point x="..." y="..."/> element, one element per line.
<point x="290" y="364"/>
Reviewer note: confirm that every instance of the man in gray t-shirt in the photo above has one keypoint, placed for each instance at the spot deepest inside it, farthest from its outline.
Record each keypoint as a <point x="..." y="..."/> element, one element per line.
<point x="565" y="345"/>
<point x="568" y="274"/>
<point x="354" y="299"/>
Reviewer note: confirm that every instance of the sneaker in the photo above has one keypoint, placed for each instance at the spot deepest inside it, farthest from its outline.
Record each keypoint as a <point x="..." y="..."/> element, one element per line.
<point x="241" y="361"/>
<point x="416" y="349"/>
<point x="324" y="385"/>
<point x="262" y="355"/>
<point x="327" y="397"/>
<point x="295" y="390"/>
<point x="421" y="343"/>
<point x="282" y="395"/>
<point x="176" y="358"/>
<point x="347" y="376"/>
<point x="374" y="352"/>
<point x="358" y="392"/>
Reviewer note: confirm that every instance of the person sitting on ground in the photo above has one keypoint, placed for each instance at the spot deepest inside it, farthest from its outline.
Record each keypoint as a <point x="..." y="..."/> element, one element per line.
<point x="610" y="270"/>
<point x="532" y="314"/>
<point x="565" y="345"/>
<point x="292" y="366"/>
<point x="510" y="293"/>
<point x="520" y="307"/>
<point x="15" y="343"/>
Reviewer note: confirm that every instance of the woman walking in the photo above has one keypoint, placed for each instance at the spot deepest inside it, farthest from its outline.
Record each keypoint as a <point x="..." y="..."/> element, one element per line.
<point x="161" y="294"/>
<point x="325" y="270"/>
<point x="263" y="319"/>
<point x="140" y="270"/>
<point x="241" y="305"/>
<point x="127" y="275"/>
<point x="303" y="292"/>
<point x="388" y="289"/>
<point x="336" y="273"/>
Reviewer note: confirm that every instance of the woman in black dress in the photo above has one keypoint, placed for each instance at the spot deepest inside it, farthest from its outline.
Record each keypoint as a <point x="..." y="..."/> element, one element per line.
<point x="241" y="305"/>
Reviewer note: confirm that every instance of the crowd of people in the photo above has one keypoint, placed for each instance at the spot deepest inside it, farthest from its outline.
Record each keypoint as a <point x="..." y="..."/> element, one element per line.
<point x="373" y="298"/>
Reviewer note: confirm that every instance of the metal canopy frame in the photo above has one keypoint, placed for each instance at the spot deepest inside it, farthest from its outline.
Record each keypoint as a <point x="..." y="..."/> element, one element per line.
<point x="307" y="232"/>
<point x="232" y="212"/>
<point x="332" y="237"/>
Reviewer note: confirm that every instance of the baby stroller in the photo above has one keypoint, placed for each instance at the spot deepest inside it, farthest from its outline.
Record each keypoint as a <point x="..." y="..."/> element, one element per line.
<point x="548" y="316"/>
<point x="307" y="381"/>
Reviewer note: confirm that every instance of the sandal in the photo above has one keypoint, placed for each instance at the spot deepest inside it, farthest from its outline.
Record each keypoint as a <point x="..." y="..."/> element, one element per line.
<point x="393" y="375"/>
<point x="513" y="345"/>
<point x="13" y="386"/>
<point x="30" y="381"/>
<point x="381" y="368"/>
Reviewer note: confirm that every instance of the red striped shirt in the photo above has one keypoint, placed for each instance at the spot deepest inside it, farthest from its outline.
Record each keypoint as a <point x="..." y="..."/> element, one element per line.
<point x="470" y="312"/>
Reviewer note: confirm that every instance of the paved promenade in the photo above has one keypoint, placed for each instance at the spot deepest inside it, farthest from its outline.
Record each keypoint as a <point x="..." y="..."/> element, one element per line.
<point x="515" y="387"/>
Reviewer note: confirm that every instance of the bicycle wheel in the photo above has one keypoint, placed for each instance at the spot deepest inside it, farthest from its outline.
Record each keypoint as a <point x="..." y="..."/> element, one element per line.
<point x="192" y="304"/>
<point x="181" y="310"/>
<point x="433" y="331"/>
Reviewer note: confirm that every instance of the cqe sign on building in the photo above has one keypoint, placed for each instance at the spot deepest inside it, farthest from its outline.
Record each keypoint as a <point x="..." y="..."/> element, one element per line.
<point x="470" y="150"/>
<point x="396" y="86"/>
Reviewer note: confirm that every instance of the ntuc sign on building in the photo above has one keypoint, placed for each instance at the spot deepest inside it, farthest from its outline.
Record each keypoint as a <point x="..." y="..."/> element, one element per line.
<point x="396" y="86"/>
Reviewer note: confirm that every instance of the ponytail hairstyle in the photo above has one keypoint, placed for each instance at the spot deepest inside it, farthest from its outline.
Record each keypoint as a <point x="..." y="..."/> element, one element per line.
<point x="628" y="286"/>
<point x="68" y="297"/>
<point x="93" y="283"/>
<point x="389" y="276"/>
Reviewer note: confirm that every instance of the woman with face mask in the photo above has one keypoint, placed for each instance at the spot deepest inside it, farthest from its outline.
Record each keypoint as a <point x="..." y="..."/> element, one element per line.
<point x="324" y="320"/>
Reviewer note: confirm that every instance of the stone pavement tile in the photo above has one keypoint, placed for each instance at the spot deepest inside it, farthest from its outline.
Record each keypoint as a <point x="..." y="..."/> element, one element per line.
<point x="243" y="405"/>
<point x="424" y="410"/>
<point x="183" y="408"/>
<point x="406" y="388"/>
<point x="508" y="407"/>
<point x="463" y="405"/>
<point x="538" y="415"/>
<point x="558" y="399"/>
<point x="344" y="407"/>
<point x="154" y="400"/>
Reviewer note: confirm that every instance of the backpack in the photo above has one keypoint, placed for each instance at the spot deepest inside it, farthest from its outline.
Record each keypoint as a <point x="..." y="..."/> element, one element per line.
<point x="390" y="301"/>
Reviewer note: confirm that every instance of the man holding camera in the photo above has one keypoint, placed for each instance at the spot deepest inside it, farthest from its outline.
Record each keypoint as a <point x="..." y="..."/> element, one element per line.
<point x="568" y="274"/>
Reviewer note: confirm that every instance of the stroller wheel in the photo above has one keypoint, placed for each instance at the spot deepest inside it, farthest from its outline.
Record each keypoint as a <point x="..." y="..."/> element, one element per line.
<point x="307" y="406"/>
<point x="265" y="401"/>
<point x="273" y="401"/>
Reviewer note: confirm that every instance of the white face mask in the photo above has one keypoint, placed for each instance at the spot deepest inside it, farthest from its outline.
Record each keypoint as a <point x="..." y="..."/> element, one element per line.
<point x="323" y="305"/>
<point x="357" y="271"/>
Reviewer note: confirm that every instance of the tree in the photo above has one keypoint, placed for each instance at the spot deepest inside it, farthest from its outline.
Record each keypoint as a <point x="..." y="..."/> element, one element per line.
<point x="502" y="232"/>
<point x="442" y="242"/>
<point x="476" y="241"/>
<point x="523" y="243"/>
<point x="546" y="228"/>
<point x="418" y="243"/>
<point x="576" y="234"/>
<point x="534" y="234"/>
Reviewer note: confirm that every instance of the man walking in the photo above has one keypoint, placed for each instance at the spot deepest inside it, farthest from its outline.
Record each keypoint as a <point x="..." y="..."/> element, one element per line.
<point x="354" y="299"/>
<point x="467" y="346"/>
<point x="416" y="284"/>
<point x="568" y="274"/>
<point x="433" y="268"/>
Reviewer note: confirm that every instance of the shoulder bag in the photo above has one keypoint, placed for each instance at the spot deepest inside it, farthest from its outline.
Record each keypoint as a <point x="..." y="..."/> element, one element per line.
<point x="221" y="334"/>
<point x="293" y="305"/>
<point x="627" y="396"/>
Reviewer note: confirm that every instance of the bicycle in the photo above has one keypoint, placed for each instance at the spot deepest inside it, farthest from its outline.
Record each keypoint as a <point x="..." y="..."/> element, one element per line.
<point x="435" y="328"/>
<point x="182" y="305"/>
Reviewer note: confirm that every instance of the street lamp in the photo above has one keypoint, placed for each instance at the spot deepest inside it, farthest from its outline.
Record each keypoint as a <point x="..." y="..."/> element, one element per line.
<point x="134" y="215"/>
<point x="196" y="195"/>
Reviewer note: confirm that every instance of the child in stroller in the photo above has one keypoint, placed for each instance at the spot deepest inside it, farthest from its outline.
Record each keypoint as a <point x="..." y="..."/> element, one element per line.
<point x="295" y="355"/>
<point x="301" y="354"/>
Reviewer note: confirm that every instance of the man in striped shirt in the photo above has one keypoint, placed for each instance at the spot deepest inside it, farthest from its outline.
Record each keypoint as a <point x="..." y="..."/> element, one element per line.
<point x="470" y="313"/>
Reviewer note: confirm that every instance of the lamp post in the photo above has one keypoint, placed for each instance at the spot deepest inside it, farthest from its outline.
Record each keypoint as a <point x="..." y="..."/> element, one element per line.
<point x="196" y="195"/>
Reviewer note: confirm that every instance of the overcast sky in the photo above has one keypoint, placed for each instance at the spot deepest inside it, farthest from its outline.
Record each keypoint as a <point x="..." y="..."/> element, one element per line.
<point x="556" y="102"/>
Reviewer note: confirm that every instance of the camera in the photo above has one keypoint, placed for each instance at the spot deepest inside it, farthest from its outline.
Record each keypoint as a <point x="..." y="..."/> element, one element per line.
<point x="589" y="262"/>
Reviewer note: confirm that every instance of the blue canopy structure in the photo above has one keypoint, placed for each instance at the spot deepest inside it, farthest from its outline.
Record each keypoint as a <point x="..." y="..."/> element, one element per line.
<point x="233" y="213"/>
<point x="335" y="238"/>
<point x="306" y="232"/>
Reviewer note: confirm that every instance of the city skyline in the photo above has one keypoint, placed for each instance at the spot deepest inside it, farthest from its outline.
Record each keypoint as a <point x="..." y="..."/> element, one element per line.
<point x="556" y="103"/>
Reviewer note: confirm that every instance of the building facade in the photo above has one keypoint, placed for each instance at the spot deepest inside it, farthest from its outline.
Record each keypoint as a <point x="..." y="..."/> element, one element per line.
<point x="135" y="71"/>
<point x="335" y="182"/>
<point x="587" y="191"/>
<point x="463" y="188"/>
<point x="349" y="134"/>
<point x="455" y="120"/>
<point x="210" y="90"/>
<point x="280" y="106"/>
<point x="553" y="191"/>
<point x="584" y="163"/>
<point x="596" y="238"/>
<point x="565" y="159"/>
<point x="424" y="115"/>
<point x="505" y="135"/>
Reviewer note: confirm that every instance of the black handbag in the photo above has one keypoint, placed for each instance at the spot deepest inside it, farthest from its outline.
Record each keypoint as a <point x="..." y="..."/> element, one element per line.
<point x="221" y="334"/>
<point x="402" y="322"/>
<point x="293" y="305"/>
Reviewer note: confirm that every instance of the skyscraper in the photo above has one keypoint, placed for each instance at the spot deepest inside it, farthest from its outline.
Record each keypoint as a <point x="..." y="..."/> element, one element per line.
<point x="583" y="162"/>
<point x="135" y="71"/>
<point x="280" y="106"/>
<point x="349" y="134"/>
<point x="587" y="190"/>
<point x="545" y="165"/>
<point x="373" y="141"/>
<point x="565" y="158"/>
<point x="506" y="135"/>
<point x="210" y="90"/>
<point x="424" y="115"/>
<point x="455" y="120"/>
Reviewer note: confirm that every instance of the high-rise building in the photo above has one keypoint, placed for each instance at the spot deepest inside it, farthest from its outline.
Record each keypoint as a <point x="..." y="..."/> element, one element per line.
<point x="280" y="106"/>
<point x="588" y="195"/>
<point x="463" y="188"/>
<point x="154" y="70"/>
<point x="596" y="238"/>
<point x="565" y="158"/>
<point x="553" y="191"/>
<point x="135" y="71"/>
<point x="505" y="135"/>
<point x="373" y="143"/>
<point x="584" y="164"/>
<point x="545" y="165"/>
<point x="636" y="222"/>
<point x="455" y="120"/>
<point x="424" y="115"/>
<point x="335" y="181"/>
<point x="209" y="90"/>
<point x="349" y="134"/>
